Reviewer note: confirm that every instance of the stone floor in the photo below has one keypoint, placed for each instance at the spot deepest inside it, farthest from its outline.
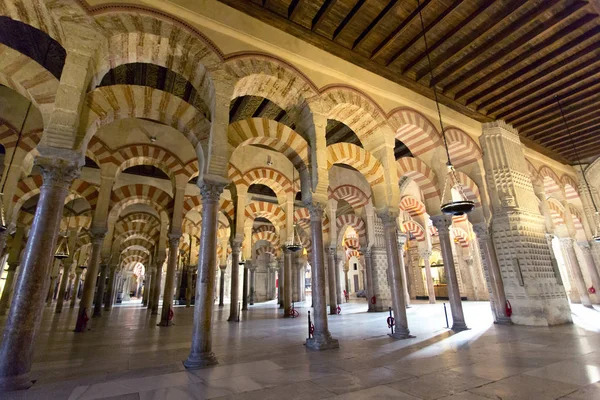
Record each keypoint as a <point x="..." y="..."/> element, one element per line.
<point x="126" y="356"/>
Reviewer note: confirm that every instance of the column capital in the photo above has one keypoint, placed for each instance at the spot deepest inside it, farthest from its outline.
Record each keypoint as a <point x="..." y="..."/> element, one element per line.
<point x="402" y="239"/>
<point x="425" y="253"/>
<point x="585" y="246"/>
<point x="236" y="246"/>
<point x="388" y="217"/>
<point x="442" y="223"/>
<point x="482" y="230"/>
<point x="174" y="239"/>
<point x="366" y="252"/>
<point x="223" y="267"/>
<point x="211" y="190"/>
<point x="567" y="242"/>
<point x="315" y="210"/>
<point x="97" y="235"/>
<point x="58" y="172"/>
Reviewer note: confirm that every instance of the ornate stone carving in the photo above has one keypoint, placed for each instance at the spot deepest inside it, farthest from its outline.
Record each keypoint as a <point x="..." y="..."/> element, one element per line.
<point x="174" y="240"/>
<point x="388" y="218"/>
<point x="211" y="191"/>
<point x="482" y="230"/>
<point x="57" y="172"/>
<point x="97" y="236"/>
<point x="315" y="210"/>
<point x="442" y="223"/>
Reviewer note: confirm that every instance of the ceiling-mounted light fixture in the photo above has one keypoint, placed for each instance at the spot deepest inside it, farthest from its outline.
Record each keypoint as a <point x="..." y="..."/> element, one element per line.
<point x="62" y="251"/>
<point x="449" y="205"/>
<point x="596" y="235"/>
<point x="269" y="162"/>
<point x="152" y="139"/>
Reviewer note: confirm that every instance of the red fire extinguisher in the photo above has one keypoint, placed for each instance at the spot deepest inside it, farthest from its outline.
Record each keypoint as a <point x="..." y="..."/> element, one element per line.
<point x="508" y="309"/>
<point x="592" y="290"/>
<point x="373" y="300"/>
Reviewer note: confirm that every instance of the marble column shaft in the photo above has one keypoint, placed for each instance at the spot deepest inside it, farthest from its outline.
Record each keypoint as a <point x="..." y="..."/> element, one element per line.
<point x="322" y="337"/>
<point x="110" y="290"/>
<point x="190" y="286"/>
<point x="287" y="282"/>
<point x="222" y="269"/>
<point x="401" y="242"/>
<point x="488" y="252"/>
<point x="76" y="283"/>
<point x="147" y="283"/>
<point x="89" y="285"/>
<point x="426" y="254"/>
<point x="235" y="281"/>
<point x="19" y="337"/>
<point x="389" y="219"/>
<point x="8" y="288"/>
<point x="443" y="223"/>
<point x="590" y="265"/>
<point x="252" y="272"/>
<point x="201" y="354"/>
<point x="100" y="290"/>
<point x="338" y="280"/>
<point x="245" y="279"/>
<point x="332" y="286"/>
<point x="369" y="276"/>
<point x="170" y="280"/>
<point x="157" y="284"/>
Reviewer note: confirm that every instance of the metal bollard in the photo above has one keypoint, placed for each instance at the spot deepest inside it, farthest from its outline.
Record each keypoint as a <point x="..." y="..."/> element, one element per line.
<point x="446" y="314"/>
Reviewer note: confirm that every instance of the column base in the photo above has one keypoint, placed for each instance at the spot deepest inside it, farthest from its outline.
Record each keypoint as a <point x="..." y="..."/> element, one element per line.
<point x="165" y="323"/>
<point x="325" y="343"/>
<point x="459" y="327"/>
<point x="19" y="382"/>
<point x="82" y="320"/>
<point x="201" y="360"/>
<point x="401" y="335"/>
<point x="233" y="319"/>
<point x="588" y="306"/>
<point x="503" y="321"/>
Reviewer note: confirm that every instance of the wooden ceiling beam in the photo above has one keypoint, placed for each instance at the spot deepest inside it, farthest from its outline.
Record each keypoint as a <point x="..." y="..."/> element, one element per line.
<point x="322" y="13"/>
<point x="563" y="135"/>
<point x="555" y="118"/>
<point x="509" y="98"/>
<point x="567" y="88"/>
<point x="392" y="37"/>
<point x="293" y="8"/>
<point x="586" y="147"/>
<point x="415" y="39"/>
<point x="588" y="99"/>
<point x="364" y="34"/>
<point x="590" y="151"/>
<point x="524" y="57"/>
<point x="447" y="36"/>
<point x="479" y="53"/>
<point x="347" y="21"/>
<point x="549" y="128"/>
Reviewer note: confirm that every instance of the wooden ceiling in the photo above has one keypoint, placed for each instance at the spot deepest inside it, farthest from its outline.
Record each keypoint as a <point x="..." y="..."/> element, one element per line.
<point x="503" y="59"/>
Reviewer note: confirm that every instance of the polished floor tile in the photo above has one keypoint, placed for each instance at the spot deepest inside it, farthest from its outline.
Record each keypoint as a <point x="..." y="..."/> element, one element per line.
<point x="126" y="356"/>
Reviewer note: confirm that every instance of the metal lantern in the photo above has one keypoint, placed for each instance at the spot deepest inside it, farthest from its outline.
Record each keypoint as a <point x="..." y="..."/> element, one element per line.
<point x="449" y="205"/>
<point x="62" y="251"/>
<point x="294" y="244"/>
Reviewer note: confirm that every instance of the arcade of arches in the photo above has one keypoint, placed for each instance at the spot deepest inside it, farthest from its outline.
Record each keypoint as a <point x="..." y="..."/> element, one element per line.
<point x="166" y="157"/>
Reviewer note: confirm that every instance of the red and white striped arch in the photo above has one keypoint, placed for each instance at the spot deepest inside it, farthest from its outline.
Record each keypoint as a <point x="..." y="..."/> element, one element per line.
<point x="415" y="229"/>
<point x="268" y="236"/>
<point x="550" y="179"/>
<point x="570" y="186"/>
<point x="556" y="211"/>
<point x="270" y="211"/>
<point x="412" y="206"/>
<point x="351" y="194"/>
<point x="267" y="249"/>
<point x="462" y="148"/>
<point x="354" y="221"/>
<point x="268" y="177"/>
<point x="414" y="130"/>
<point x="469" y="187"/>
<point x="361" y="160"/>
<point x="419" y="172"/>
<point x="460" y="236"/>
<point x="577" y="217"/>
<point x="138" y="193"/>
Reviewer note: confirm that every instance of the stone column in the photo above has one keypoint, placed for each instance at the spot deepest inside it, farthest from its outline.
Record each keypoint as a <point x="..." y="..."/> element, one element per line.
<point x="338" y="280"/>
<point x="332" y="286"/>
<point x="127" y="289"/>
<point x="389" y="219"/>
<point x="110" y="291"/>
<point x="369" y="276"/>
<point x="165" y="320"/>
<point x="151" y="287"/>
<point x="493" y="274"/>
<point x="53" y="277"/>
<point x="19" y="337"/>
<point x="100" y="291"/>
<point x="281" y="287"/>
<point x="287" y="282"/>
<point x="322" y="339"/>
<point x="147" y="283"/>
<point x="426" y="254"/>
<point x="346" y="280"/>
<point x="201" y="354"/>
<point x="245" y="287"/>
<point x="569" y="250"/>
<point x="222" y="268"/>
<point x="89" y="285"/>
<point x="157" y="285"/>
<point x="8" y="288"/>
<point x="590" y="265"/>
<point x="189" y="290"/>
<point x="401" y="243"/>
<point x="295" y="292"/>
<point x="443" y="223"/>
<point x="235" y="280"/>
<point x="76" y="283"/>
<point x="300" y="278"/>
<point x="252" y="272"/>
<point x="63" y="284"/>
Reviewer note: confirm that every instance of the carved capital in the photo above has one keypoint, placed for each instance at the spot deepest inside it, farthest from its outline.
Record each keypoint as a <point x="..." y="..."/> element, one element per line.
<point x="442" y="223"/>
<point x="402" y="238"/>
<point x="388" y="218"/>
<point x="584" y="246"/>
<point x="332" y="251"/>
<point x="57" y="172"/>
<point x="174" y="239"/>
<point x="367" y="252"/>
<point x="425" y="253"/>
<point x="315" y="210"/>
<point x="97" y="236"/>
<point x="236" y="246"/>
<point x="211" y="191"/>
<point x="567" y="243"/>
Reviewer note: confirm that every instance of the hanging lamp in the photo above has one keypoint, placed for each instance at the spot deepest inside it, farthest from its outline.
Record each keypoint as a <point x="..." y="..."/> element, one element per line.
<point x="62" y="251"/>
<point x="596" y="235"/>
<point x="295" y="243"/>
<point x="449" y="206"/>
